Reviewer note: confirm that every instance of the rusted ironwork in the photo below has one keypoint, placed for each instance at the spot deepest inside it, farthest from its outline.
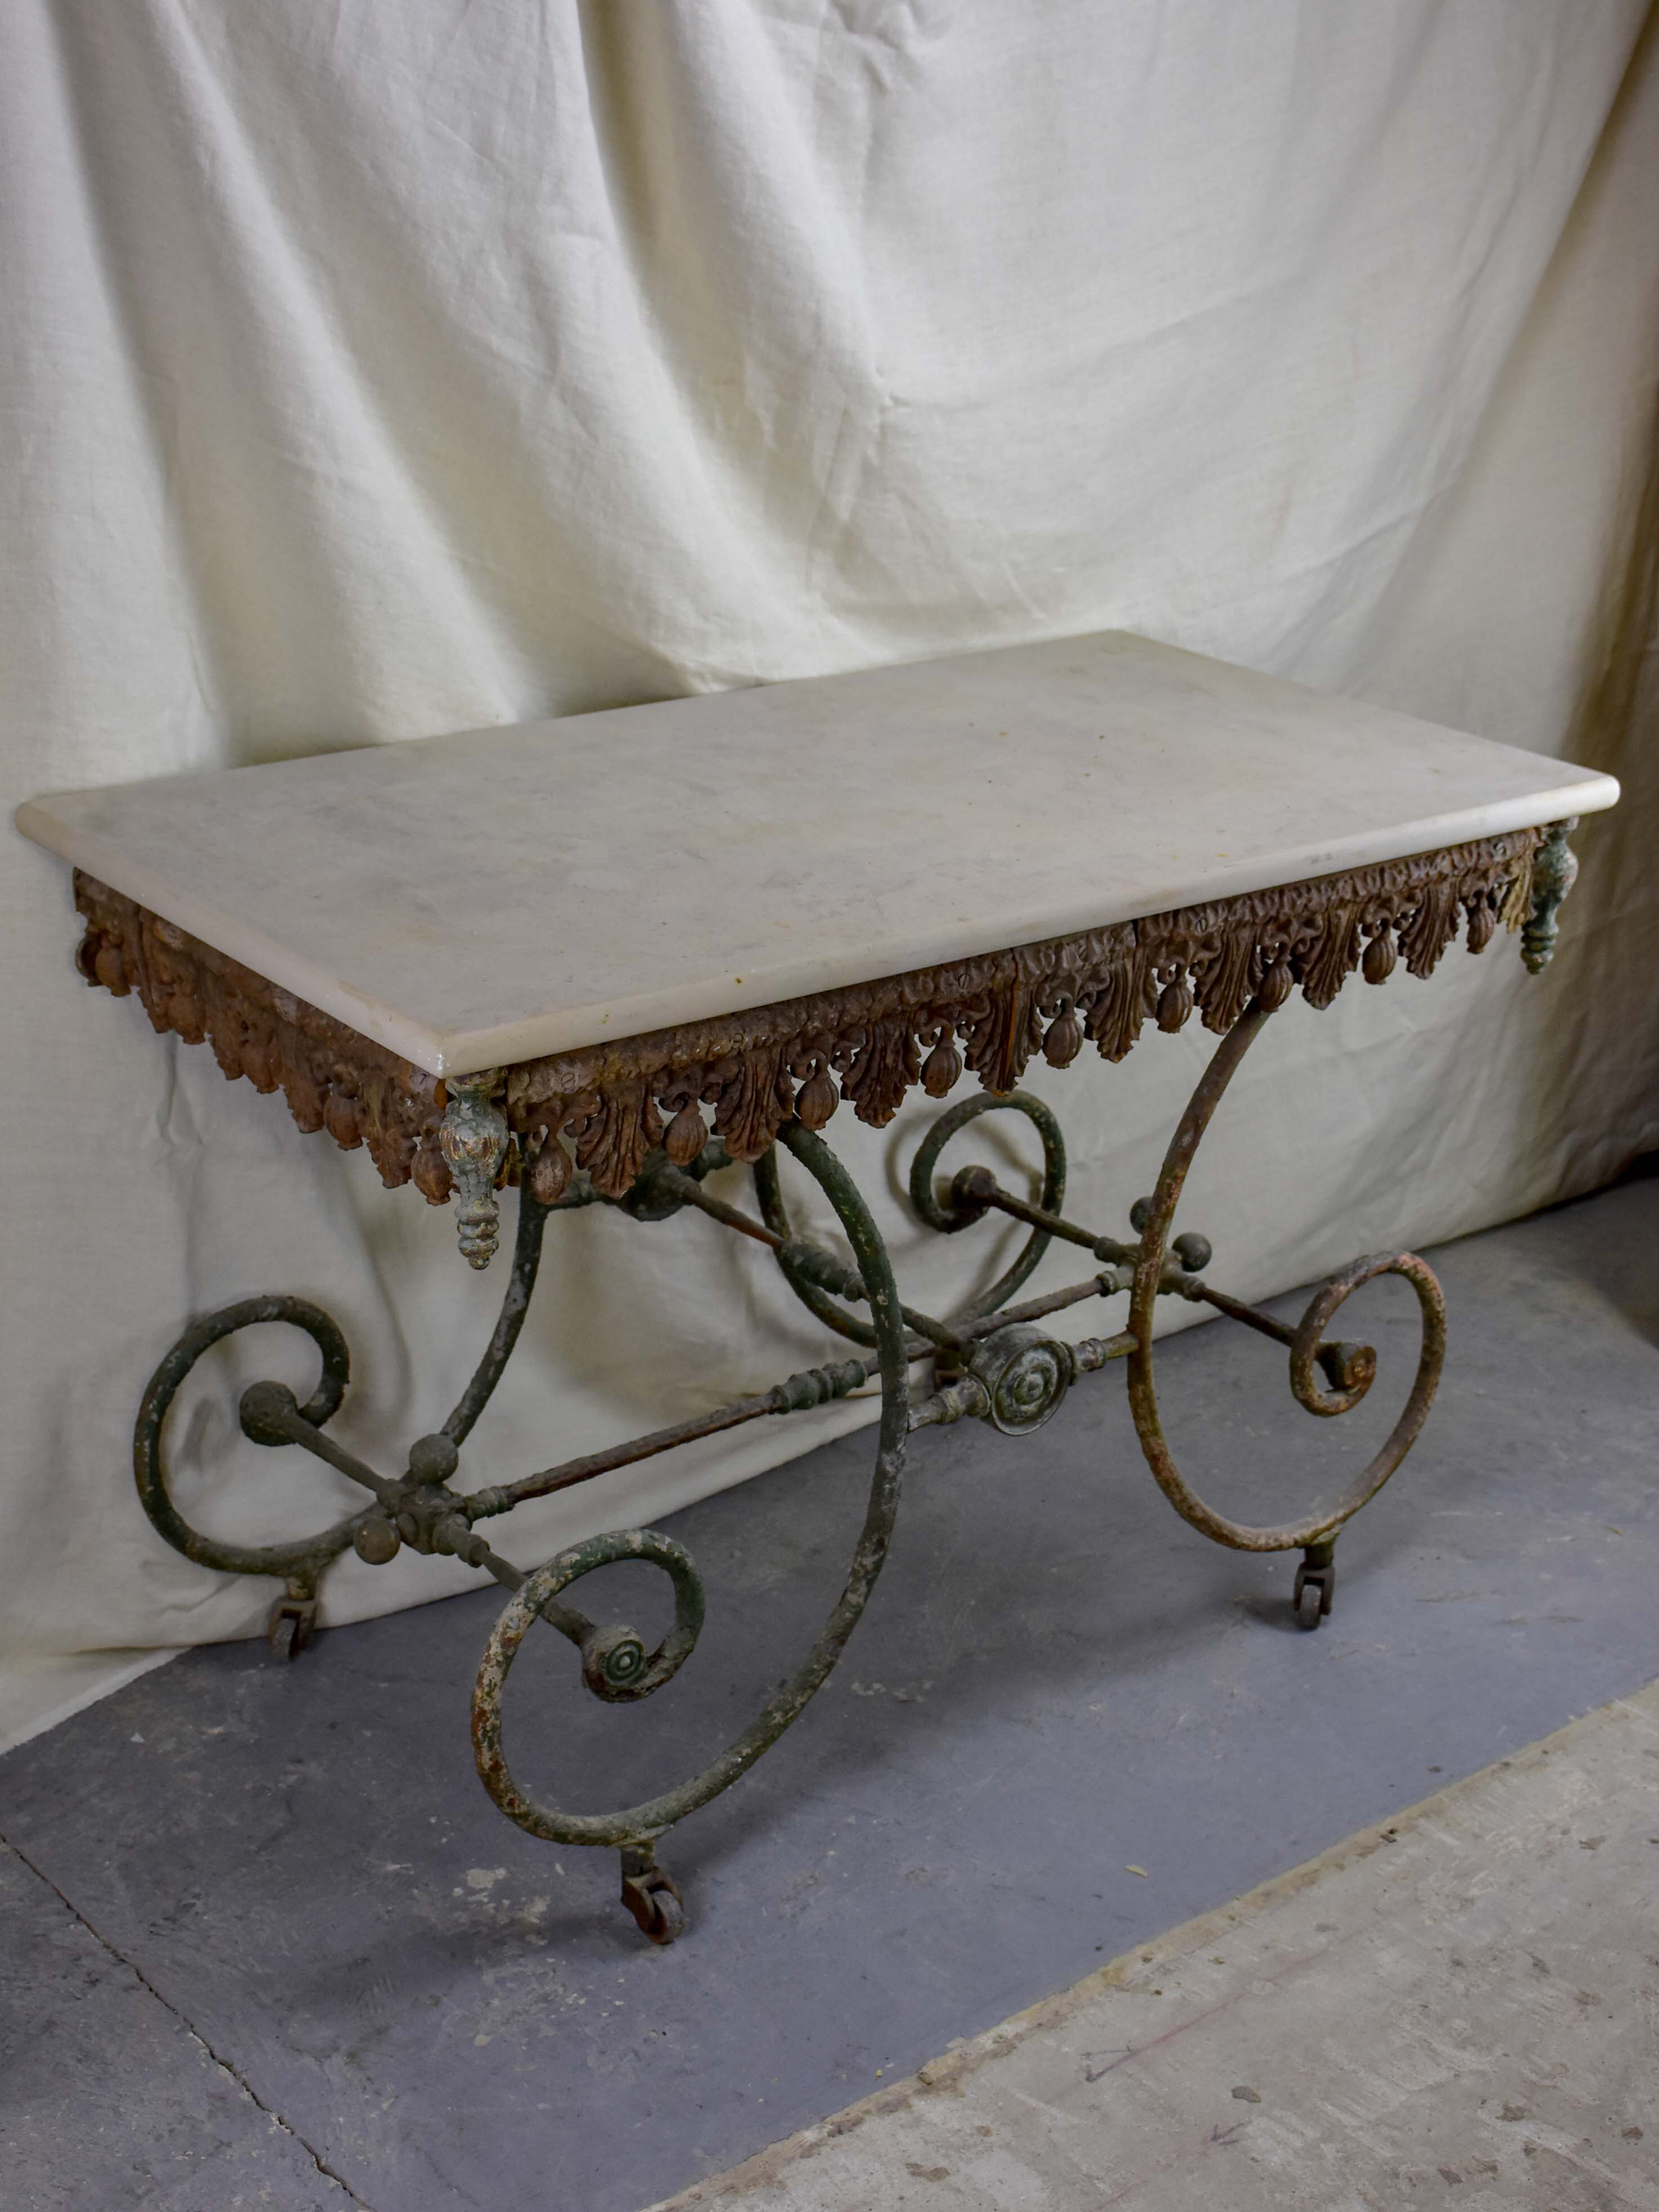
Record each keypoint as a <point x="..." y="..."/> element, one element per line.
<point x="1150" y="1278"/>
<point x="652" y="1894"/>
<point x="990" y="1360"/>
<point x="609" y="1106"/>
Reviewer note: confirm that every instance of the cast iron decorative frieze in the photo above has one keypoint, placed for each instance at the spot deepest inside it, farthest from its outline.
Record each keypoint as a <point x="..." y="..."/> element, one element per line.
<point x="333" y="1078"/>
<point x="633" y="1114"/>
<point x="602" y="1110"/>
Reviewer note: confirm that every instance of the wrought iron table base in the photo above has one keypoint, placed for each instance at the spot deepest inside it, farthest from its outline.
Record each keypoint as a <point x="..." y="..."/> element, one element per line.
<point x="991" y="1361"/>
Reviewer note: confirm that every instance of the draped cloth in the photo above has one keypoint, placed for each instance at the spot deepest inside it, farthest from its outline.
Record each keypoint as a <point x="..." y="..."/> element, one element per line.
<point x="370" y="368"/>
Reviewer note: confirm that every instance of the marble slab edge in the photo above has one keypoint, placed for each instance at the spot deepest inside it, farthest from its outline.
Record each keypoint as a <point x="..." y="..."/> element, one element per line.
<point x="602" y="1109"/>
<point x="562" y="1024"/>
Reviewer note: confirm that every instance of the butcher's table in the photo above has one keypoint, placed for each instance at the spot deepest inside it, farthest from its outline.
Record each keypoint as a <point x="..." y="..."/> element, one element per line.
<point x="599" y="958"/>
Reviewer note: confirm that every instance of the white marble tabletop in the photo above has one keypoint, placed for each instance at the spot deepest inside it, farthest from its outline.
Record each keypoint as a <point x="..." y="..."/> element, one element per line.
<point x="474" y="900"/>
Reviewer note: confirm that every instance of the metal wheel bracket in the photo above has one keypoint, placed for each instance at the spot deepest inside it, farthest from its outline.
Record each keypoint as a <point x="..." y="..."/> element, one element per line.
<point x="1314" y="1592"/>
<point x="293" y="1623"/>
<point x="652" y="1896"/>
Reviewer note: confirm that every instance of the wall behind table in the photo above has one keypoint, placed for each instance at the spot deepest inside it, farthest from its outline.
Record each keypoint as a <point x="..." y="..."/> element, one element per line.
<point x="370" y="370"/>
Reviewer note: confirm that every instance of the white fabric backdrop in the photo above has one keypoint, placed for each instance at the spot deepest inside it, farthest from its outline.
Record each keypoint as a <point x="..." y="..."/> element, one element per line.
<point x="375" y="367"/>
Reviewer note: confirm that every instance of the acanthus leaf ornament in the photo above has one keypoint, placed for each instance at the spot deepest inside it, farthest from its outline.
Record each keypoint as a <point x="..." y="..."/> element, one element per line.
<point x="761" y="1068"/>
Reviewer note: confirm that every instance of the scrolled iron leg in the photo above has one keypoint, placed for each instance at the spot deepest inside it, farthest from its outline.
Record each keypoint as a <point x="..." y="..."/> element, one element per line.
<point x="615" y="1666"/>
<point x="1326" y="1378"/>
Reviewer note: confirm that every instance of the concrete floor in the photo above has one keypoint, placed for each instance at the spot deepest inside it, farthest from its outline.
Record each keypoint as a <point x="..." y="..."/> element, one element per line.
<point x="269" y="1942"/>
<point x="1465" y="1997"/>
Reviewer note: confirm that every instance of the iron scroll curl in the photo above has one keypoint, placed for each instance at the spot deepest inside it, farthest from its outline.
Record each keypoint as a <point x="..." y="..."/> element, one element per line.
<point x="1308" y="1349"/>
<point x="953" y="1216"/>
<point x="307" y="1557"/>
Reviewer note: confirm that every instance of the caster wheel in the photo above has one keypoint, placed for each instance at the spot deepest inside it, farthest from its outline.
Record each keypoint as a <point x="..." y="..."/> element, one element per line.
<point x="1315" y="1585"/>
<point x="670" y="1920"/>
<point x="655" y="1902"/>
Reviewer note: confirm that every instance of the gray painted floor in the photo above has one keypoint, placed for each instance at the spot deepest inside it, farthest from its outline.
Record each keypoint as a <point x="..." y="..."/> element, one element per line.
<point x="1466" y="1998"/>
<point x="269" y="1931"/>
